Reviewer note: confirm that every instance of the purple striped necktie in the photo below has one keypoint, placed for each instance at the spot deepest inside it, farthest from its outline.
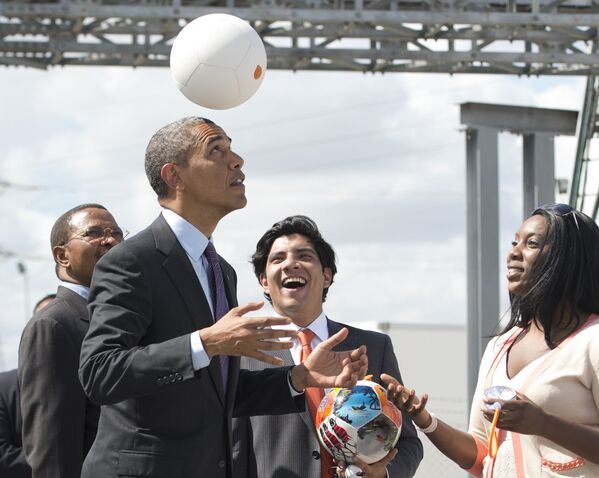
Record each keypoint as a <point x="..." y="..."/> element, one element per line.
<point x="219" y="298"/>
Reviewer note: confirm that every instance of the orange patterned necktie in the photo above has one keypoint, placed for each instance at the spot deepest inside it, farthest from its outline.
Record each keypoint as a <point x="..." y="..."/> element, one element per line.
<point x="313" y="397"/>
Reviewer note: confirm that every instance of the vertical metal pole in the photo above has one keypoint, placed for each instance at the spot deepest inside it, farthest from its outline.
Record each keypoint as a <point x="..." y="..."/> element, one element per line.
<point x="482" y="222"/>
<point x="538" y="163"/>
<point x="23" y="271"/>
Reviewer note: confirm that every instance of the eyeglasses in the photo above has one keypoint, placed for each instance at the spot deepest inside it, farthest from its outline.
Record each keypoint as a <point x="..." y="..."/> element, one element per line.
<point x="561" y="210"/>
<point x="94" y="234"/>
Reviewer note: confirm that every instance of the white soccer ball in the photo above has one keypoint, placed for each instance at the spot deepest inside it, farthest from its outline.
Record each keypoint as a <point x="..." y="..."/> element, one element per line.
<point x="218" y="61"/>
<point x="359" y="422"/>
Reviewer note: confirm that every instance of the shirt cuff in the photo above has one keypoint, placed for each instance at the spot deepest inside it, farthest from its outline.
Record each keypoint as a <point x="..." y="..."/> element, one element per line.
<point x="294" y="392"/>
<point x="199" y="357"/>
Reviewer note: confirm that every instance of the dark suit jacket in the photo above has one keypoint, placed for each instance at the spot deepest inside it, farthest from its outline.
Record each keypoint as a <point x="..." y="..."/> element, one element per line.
<point x="159" y="417"/>
<point x="12" y="456"/>
<point x="59" y="422"/>
<point x="287" y="447"/>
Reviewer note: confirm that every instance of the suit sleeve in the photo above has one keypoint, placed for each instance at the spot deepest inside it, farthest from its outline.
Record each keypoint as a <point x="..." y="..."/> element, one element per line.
<point x="12" y="458"/>
<point x="409" y="446"/>
<point x="52" y="402"/>
<point x="114" y="366"/>
<point x="251" y="399"/>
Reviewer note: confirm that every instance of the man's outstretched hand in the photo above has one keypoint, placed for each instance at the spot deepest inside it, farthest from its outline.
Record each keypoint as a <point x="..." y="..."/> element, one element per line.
<point x="325" y="368"/>
<point x="252" y="337"/>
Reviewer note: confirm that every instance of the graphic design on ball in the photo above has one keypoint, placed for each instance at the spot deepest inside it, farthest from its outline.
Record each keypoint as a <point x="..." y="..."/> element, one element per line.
<point x="360" y="422"/>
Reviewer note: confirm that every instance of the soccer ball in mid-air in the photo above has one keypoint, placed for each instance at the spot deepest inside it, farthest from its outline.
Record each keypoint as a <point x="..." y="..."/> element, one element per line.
<point x="218" y="61"/>
<point x="359" y="422"/>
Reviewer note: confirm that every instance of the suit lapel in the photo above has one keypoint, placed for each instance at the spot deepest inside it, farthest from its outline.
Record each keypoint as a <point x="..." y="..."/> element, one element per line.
<point x="179" y="269"/>
<point x="350" y="343"/>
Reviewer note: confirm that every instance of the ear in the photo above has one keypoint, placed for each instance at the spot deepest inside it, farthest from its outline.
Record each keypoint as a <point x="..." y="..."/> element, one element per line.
<point x="61" y="256"/>
<point x="264" y="283"/>
<point x="328" y="276"/>
<point x="170" y="175"/>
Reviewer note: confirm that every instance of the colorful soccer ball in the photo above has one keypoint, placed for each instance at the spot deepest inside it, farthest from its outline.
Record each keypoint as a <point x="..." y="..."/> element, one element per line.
<point x="359" y="422"/>
<point x="218" y="61"/>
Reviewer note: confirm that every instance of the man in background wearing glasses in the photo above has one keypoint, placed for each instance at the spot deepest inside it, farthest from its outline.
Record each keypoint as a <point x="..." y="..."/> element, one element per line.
<point x="59" y="422"/>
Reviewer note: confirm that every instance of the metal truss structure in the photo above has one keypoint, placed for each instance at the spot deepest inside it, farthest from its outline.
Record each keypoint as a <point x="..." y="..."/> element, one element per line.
<point x="585" y="165"/>
<point x="522" y="37"/>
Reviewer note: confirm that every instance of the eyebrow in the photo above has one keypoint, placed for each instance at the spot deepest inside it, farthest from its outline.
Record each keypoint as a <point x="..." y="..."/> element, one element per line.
<point x="218" y="137"/>
<point x="294" y="251"/>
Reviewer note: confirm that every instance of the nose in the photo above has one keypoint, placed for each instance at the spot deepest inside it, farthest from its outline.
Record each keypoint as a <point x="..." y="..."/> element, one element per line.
<point x="290" y="263"/>
<point x="514" y="252"/>
<point x="109" y="240"/>
<point x="112" y="237"/>
<point x="236" y="161"/>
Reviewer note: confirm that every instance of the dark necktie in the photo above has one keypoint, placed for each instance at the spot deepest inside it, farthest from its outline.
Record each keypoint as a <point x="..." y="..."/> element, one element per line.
<point x="313" y="398"/>
<point x="219" y="298"/>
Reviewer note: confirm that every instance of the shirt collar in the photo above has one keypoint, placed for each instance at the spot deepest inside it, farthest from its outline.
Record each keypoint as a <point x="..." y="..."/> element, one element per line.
<point x="77" y="288"/>
<point x="319" y="326"/>
<point x="190" y="238"/>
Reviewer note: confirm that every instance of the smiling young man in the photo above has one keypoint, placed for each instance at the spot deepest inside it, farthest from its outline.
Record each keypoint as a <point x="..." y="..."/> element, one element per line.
<point x="59" y="422"/>
<point x="162" y="352"/>
<point x="296" y="267"/>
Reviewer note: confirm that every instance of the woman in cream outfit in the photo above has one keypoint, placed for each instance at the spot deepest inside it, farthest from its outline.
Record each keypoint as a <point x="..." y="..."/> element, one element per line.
<point x="548" y="353"/>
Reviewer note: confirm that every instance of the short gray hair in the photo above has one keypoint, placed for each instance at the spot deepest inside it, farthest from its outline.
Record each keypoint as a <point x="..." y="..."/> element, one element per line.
<point x="172" y="143"/>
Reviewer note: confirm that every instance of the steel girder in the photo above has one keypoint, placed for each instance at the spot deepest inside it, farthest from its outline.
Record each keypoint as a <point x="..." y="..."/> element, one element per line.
<point x="531" y="37"/>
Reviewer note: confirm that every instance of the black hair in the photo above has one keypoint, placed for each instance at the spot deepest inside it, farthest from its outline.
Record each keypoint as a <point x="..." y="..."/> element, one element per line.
<point x="565" y="277"/>
<point x="172" y="143"/>
<point x="301" y="225"/>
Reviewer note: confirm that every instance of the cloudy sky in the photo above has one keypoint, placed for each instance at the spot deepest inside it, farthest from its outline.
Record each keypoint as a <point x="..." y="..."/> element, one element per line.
<point x="377" y="160"/>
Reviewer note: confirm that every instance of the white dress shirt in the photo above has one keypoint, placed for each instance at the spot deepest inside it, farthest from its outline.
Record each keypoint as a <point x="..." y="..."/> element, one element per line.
<point x="77" y="288"/>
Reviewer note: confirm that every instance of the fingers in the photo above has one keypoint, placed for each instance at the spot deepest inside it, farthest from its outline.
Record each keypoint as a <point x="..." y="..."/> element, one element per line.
<point x="419" y="408"/>
<point x="273" y="345"/>
<point x="335" y="339"/>
<point x="388" y="380"/>
<point x="270" y="334"/>
<point x="409" y="402"/>
<point x="260" y="322"/>
<point x="249" y="307"/>
<point x="262" y="357"/>
<point x="358" y="353"/>
<point x="353" y="370"/>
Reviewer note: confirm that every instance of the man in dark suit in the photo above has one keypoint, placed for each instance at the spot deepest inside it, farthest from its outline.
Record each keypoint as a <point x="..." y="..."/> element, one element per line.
<point x="296" y="267"/>
<point x="13" y="463"/>
<point x="161" y="353"/>
<point x="59" y="422"/>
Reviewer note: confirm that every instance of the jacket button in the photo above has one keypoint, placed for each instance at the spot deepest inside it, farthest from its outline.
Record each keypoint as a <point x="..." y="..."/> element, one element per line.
<point x="221" y="463"/>
<point x="315" y="455"/>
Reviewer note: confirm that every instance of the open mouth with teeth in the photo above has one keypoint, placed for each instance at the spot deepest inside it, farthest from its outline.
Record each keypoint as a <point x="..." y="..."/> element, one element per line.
<point x="294" y="282"/>
<point x="514" y="271"/>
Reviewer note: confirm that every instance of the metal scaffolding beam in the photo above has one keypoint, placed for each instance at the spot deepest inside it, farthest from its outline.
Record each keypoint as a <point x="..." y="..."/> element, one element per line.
<point x="532" y="37"/>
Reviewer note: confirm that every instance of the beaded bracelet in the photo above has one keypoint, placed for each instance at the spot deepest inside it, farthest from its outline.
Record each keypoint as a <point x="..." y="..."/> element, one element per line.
<point x="433" y="425"/>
